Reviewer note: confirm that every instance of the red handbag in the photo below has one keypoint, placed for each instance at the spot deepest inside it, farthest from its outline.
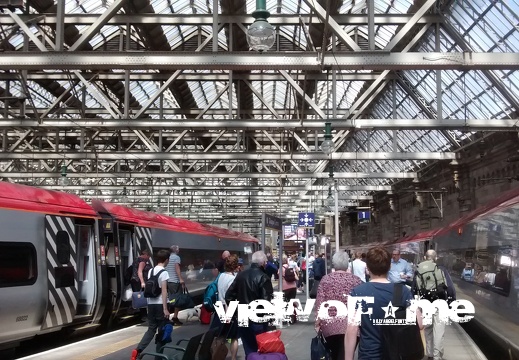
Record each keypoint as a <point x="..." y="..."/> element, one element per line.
<point x="270" y="342"/>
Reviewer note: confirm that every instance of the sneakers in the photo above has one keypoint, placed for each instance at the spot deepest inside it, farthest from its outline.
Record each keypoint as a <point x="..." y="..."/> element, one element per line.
<point x="135" y="354"/>
<point x="177" y="322"/>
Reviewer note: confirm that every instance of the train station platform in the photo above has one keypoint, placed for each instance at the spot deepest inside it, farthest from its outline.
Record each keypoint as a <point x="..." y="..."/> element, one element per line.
<point x="118" y="345"/>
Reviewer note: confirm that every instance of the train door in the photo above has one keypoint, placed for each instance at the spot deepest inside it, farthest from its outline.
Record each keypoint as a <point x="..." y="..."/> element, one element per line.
<point x="86" y="269"/>
<point x="127" y="249"/>
<point x="143" y="241"/>
<point x="62" y="283"/>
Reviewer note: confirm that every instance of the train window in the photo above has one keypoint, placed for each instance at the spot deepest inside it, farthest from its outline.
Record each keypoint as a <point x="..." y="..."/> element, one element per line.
<point x="17" y="264"/>
<point x="63" y="247"/>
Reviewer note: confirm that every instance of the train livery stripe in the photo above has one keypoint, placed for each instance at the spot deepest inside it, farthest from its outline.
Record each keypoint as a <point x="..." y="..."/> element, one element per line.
<point x="142" y="232"/>
<point x="62" y="296"/>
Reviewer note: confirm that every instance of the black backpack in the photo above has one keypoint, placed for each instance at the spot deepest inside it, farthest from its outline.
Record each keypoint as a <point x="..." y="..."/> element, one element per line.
<point x="401" y="342"/>
<point x="290" y="275"/>
<point x="152" y="288"/>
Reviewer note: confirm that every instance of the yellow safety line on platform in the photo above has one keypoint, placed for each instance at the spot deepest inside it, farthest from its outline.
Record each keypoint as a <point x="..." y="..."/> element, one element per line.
<point x="96" y="353"/>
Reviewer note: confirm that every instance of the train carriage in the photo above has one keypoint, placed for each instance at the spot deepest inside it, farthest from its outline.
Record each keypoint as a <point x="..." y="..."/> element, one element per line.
<point x="62" y="261"/>
<point x="480" y="251"/>
<point x="127" y="231"/>
<point x="48" y="270"/>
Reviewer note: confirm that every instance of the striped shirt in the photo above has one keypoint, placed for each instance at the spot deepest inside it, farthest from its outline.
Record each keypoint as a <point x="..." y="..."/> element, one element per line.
<point x="173" y="260"/>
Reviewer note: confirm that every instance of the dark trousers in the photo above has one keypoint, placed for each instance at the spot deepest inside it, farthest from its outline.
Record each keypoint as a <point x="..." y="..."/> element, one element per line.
<point x="248" y="336"/>
<point x="156" y="321"/>
<point x="335" y="344"/>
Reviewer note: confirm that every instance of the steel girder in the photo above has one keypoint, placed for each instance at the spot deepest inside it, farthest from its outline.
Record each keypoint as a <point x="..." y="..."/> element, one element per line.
<point x="282" y="124"/>
<point x="202" y="19"/>
<point x="249" y="61"/>
<point x="204" y="175"/>
<point x="227" y="156"/>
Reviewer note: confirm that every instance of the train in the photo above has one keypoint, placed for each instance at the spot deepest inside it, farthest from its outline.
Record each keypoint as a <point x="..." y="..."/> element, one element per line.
<point x="481" y="253"/>
<point x="63" y="261"/>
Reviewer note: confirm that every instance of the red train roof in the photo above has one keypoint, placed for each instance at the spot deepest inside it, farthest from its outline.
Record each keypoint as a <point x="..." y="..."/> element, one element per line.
<point x="426" y="235"/>
<point x="504" y="201"/>
<point x="154" y="220"/>
<point x="28" y="198"/>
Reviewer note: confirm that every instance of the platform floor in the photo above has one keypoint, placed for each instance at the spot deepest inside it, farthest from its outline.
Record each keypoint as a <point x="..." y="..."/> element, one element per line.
<point x="118" y="345"/>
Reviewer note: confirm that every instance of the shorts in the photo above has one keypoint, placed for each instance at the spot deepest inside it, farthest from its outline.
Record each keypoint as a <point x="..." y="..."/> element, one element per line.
<point x="174" y="288"/>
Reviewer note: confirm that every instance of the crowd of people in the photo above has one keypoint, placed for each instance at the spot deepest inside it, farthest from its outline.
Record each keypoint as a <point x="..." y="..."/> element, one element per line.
<point x="371" y="274"/>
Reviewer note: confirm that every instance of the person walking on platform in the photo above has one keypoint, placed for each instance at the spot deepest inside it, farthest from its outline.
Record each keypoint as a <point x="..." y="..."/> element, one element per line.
<point x="358" y="267"/>
<point x="224" y="282"/>
<point x="371" y="347"/>
<point x="141" y="266"/>
<point x="175" y="281"/>
<point x="434" y="279"/>
<point x="400" y="271"/>
<point x="157" y="306"/>
<point x="249" y="285"/>
<point x="333" y="287"/>
<point x="319" y="266"/>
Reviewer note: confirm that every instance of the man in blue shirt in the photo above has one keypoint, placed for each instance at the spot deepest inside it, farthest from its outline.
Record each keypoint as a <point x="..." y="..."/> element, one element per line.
<point x="400" y="271"/>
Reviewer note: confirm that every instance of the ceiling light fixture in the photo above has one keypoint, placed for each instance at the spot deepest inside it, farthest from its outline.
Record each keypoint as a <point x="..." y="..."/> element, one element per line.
<point x="327" y="146"/>
<point x="261" y="35"/>
<point x="63" y="181"/>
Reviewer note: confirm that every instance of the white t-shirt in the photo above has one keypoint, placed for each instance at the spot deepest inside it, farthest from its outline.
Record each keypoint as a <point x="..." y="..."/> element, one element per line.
<point x="310" y="262"/>
<point x="163" y="277"/>
<point x="224" y="282"/>
<point x="293" y="265"/>
<point x="359" y="269"/>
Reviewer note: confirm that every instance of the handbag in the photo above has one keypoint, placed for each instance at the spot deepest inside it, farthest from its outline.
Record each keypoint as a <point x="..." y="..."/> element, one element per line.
<point x="318" y="349"/>
<point x="183" y="300"/>
<point x="315" y="286"/>
<point x="138" y="300"/>
<point x="219" y="349"/>
<point x="270" y="342"/>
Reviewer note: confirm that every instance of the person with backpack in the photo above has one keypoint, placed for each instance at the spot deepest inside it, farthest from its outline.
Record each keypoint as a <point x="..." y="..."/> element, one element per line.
<point x="372" y="345"/>
<point x="432" y="282"/>
<point x="290" y="279"/>
<point x="156" y="290"/>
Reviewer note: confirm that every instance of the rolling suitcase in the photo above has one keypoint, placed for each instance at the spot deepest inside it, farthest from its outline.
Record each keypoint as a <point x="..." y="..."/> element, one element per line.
<point x="266" y="356"/>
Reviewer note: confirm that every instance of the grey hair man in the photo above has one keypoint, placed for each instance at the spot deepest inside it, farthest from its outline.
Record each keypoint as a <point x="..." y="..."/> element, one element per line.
<point x="175" y="281"/>
<point x="433" y="282"/>
<point x="249" y="285"/>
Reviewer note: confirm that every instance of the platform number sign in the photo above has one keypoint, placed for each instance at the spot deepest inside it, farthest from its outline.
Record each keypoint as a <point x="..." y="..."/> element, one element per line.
<point x="364" y="217"/>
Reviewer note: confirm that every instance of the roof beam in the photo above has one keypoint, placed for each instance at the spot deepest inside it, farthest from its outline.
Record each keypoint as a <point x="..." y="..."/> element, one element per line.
<point x="220" y="155"/>
<point x="92" y="60"/>
<point x="223" y="188"/>
<point x="102" y="20"/>
<point x="163" y="76"/>
<point x="337" y="124"/>
<point x="195" y="19"/>
<point x="203" y="175"/>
